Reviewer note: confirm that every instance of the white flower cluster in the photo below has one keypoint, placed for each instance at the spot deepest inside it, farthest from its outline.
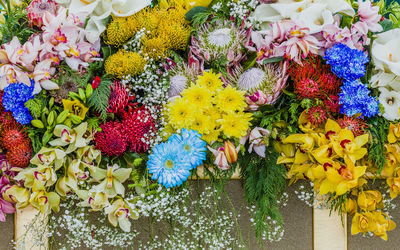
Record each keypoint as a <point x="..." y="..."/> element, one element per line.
<point x="306" y="193"/>
<point x="241" y="8"/>
<point x="78" y="230"/>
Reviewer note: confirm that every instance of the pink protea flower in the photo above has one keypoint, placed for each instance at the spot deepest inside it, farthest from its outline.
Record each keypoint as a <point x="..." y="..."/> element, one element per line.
<point x="263" y="84"/>
<point x="36" y="10"/>
<point x="221" y="40"/>
<point x="369" y="15"/>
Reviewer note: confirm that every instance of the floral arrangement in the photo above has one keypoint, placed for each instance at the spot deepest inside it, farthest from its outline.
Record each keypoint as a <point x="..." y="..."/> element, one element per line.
<point x="114" y="103"/>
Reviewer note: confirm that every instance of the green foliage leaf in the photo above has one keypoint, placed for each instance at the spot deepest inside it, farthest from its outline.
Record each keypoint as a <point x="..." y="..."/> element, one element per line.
<point x="99" y="99"/>
<point x="192" y="13"/>
<point x="379" y="128"/>
<point x="264" y="183"/>
<point x="274" y="59"/>
<point x="250" y="61"/>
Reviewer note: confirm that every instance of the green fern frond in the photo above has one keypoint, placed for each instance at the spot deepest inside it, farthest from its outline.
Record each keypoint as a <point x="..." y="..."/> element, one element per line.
<point x="99" y="99"/>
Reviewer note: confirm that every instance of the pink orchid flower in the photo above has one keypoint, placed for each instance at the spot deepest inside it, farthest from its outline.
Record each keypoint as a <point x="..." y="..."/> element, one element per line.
<point x="256" y="140"/>
<point x="42" y="75"/>
<point x="220" y="158"/>
<point x="369" y="15"/>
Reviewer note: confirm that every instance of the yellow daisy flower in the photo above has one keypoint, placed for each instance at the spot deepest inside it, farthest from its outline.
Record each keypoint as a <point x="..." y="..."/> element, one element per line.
<point x="211" y="80"/>
<point x="235" y="124"/>
<point x="230" y="100"/>
<point x="212" y="136"/>
<point x="202" y="124"/>
<point x="181" y="113"/>
<point x="199" y="96"/>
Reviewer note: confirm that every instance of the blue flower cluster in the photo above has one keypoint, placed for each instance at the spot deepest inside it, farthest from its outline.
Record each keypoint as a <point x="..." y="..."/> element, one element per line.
<point x="14" y="98"/>
<point x="171" y="161"/>
<point x="354" y="99"/>
<point x="346" y="63"/>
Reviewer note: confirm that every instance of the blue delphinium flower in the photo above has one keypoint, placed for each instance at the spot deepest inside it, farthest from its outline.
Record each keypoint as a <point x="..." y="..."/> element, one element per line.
<point x="14" y="98"/>
<point x="193" y="144"/>
<point x="354" y="99"/>
<point x="168" y="164"/>
<point x="346" y="63"/>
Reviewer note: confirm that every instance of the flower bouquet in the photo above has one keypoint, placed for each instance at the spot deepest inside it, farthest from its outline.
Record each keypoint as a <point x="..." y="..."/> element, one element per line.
<point x="115" y="103"/>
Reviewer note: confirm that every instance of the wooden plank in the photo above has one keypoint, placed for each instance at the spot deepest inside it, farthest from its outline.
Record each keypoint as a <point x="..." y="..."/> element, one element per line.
<point x="28" y="225"/>
<point x="329" y="231"/>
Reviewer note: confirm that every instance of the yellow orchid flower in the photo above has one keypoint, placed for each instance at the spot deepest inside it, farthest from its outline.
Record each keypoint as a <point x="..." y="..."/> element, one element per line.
<point x="377" y="222"/>
<point x="383" y="224"/>
<point x="324" y="154"/>
<point x="350" y="206"/>
<point x="370" y="200"/>
<point x="76" y="108"/>
<point x="362" y="223"/>
<point x="306" y="126"/>
<point x="392" y="160"/>
<point x="298" y="172"/>
<point x="347" y="145"/>
<point x="394" y="133"/>
<point x="343" y="179"/>
<point x="394" y="185"/>
<point x="306" y="141"/>
<point x="332" y="130"/>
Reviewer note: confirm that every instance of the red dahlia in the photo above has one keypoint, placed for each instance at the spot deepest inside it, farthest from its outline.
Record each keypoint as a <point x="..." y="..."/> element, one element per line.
<point x="355" y="125"/>
<point x="119" y="98"/>
<point x="111" y="141"/>
<point x="138" y="126"/>
<point x="316" y="115"/>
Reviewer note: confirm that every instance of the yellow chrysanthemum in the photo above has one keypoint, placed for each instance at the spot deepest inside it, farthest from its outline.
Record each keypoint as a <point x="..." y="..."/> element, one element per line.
<point x="199" y="96"/>
<point x="124" y="63"/>
<point x="212" y="136"/>
<point x="235" y="124"/>
<point x="181" y="113"/>
<point x="155" y="48"/>
<point x="202" y="124"/>
<point x="120" y="30"/>
<point x="211" y="80"/>
<point x="230" y="99"/>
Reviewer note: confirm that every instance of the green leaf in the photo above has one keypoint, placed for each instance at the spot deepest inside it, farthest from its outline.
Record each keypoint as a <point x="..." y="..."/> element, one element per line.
<point x="250" y="61"/>
<point x="387" y="24"/>
<point x="274" y="59"/>
<point x="99" y="99"/>
<point x="195" y="11"/>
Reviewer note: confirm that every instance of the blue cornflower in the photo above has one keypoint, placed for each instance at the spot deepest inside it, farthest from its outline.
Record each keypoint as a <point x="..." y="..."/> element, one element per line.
<point x="168" y="164"/>
<point x="14" y="97"/>
<point x="354" y="99"/>
<point x="193" y="144"/>
<point x="345" y="62"/>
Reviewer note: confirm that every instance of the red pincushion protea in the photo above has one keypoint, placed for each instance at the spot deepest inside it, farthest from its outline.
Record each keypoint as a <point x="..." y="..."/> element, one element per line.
<point x="14" y="137"/>
<point x="332" y="104"/>
<point x="1" y="101"/>
<point x="355" y="125"/>
<point x="36" y="10"/>
<point x="119" y="98"/>
<point x="7" y="122"/>
<point x="313" y="79"/>
<point x="20" y="155"/>
<point x="316" y="115"/>
<point x="111" y="141"/>
<point x="138" y="126"/>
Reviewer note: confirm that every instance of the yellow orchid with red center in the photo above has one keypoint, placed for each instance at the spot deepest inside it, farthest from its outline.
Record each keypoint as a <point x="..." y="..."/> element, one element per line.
<point x="376" y="221"/>
<point x="394" y="185"/>
<point x="394" y="133"/>
<point x="350" y="146"/>
<point x="343" y="179"/>
<point x="370" y="200"/>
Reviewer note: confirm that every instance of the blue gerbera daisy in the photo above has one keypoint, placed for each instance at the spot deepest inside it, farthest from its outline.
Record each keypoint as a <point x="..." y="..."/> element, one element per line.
<point x="194" y="146"/>
<point x="168" y="164"/>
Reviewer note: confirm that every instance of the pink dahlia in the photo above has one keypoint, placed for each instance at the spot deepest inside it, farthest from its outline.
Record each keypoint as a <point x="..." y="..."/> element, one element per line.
<point x="139" y="128"/>
<point x="119" y="98"/>
<point x="111" y="141"/>
<point x="36" y="10"/>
